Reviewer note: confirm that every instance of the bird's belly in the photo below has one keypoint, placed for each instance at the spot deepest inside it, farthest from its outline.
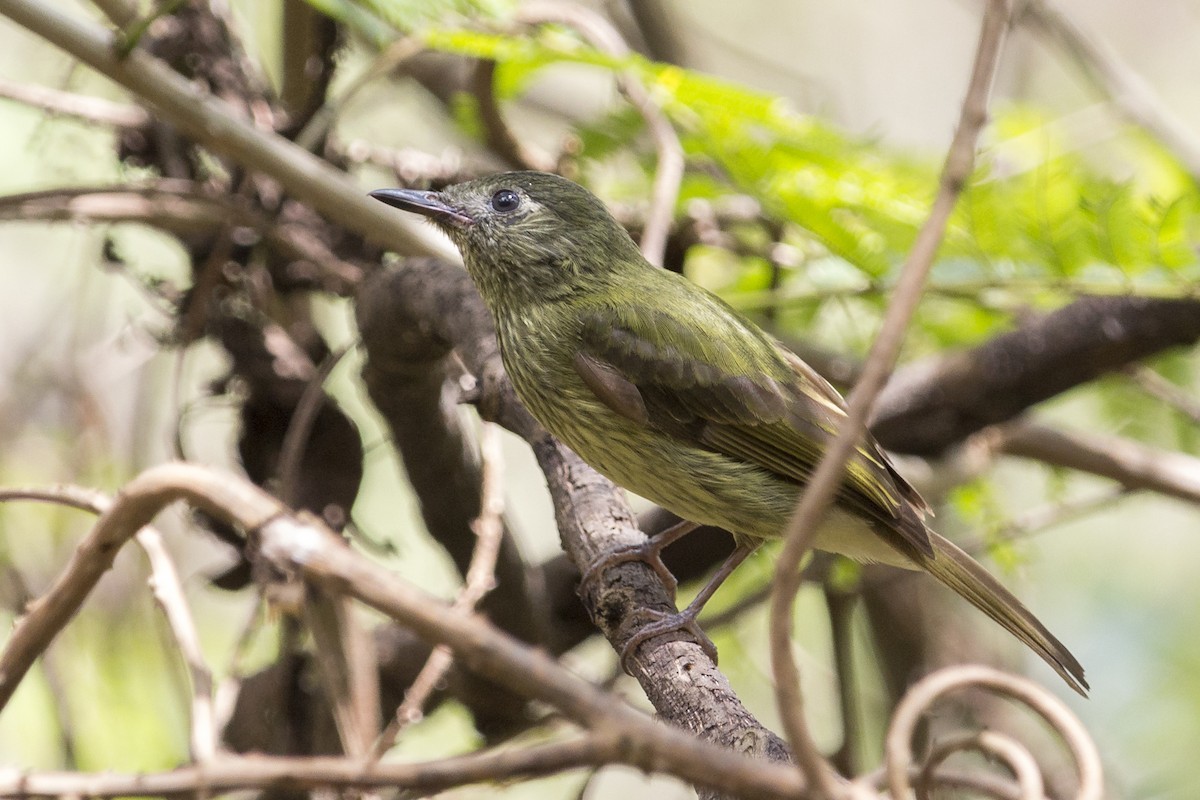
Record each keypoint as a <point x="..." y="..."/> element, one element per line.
<point x="697" y="484"/>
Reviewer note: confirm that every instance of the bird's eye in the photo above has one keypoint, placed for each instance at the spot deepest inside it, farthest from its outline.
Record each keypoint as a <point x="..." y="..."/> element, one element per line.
<point x="505" y="200"/>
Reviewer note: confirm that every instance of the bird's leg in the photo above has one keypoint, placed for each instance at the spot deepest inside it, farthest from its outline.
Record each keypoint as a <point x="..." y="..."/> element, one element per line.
<point x="686" y="620"/>
<point x="649" y="553"/>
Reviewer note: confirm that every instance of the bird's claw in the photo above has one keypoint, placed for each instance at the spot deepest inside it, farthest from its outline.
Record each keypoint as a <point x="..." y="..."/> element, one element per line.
<point x="667" y="623"/>
<point x="649" y="553"/>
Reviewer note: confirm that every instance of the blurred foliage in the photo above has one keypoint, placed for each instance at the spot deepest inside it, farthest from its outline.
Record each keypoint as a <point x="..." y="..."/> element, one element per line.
<point x="1037" y="224"/>
<point x="1037" y="219"/>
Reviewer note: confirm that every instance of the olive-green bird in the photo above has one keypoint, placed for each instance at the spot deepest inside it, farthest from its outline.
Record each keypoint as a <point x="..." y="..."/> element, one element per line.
<point x="668" y="391"/>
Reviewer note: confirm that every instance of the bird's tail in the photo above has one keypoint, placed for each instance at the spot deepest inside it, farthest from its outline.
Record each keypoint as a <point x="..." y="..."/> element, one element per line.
<point x="967" y="577"/>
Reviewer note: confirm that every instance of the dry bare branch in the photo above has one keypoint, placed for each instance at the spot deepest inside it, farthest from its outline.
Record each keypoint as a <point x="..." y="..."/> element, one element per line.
<point x="179" y="207"/>
<point x="1133" y="464"/>
<point x="993" y="745"/>
<point x="230" y="773"/>
<point x="77" y="106"/>
<point x="1105" y="70"/>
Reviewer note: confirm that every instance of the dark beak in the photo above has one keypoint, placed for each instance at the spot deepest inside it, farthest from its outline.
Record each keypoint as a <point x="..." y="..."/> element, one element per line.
<point x="429" y="204"/>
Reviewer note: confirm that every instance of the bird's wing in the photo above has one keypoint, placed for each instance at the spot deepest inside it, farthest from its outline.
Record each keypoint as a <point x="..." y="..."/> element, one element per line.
<point x="724" y="385"/>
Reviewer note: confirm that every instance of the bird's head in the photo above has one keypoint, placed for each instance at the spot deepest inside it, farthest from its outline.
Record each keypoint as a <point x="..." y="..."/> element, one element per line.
<point x="525" y="236"/>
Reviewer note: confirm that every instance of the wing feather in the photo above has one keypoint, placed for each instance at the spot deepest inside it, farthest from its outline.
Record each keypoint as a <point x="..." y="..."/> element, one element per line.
<point x="762" y="405"/>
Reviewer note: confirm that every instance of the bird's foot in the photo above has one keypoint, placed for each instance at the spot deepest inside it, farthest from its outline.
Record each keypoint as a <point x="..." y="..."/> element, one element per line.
<point x="668" y="623"/>
<point x="649" y="553"/>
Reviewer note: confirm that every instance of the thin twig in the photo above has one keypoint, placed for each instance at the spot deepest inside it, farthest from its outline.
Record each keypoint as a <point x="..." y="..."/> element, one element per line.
<point x="668" y="175"/>
<point x="168" y="593"/>
<point x="1129" y="92"/>
<point x="295" y="440"/>
<point x="247" y="773"/>
<point x="917" y="701"/>
<point x="480" y="578"/>
<point x="1047" y="516"/>
<point x="498" y="136"/>
<point x="77" y="106"/>
<point x="179" y="207"/>
<point x="226" y="694"/>
<point x="829" y="473"/>
<point x="840" y="606"/>
<point x="321" y="123"/>
<point x="1162" y="389"/>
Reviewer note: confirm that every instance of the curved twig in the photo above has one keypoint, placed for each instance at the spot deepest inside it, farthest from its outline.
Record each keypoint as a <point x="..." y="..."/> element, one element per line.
<point x="497" y="133"/>
<point x="168" y="592"/>
<point x="991" y="743"/>
<point x="295" y="440"/>
<point x="898" y="744"/>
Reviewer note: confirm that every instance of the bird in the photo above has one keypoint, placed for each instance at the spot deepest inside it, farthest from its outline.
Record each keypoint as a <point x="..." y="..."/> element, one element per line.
<point x="671" y="393"/>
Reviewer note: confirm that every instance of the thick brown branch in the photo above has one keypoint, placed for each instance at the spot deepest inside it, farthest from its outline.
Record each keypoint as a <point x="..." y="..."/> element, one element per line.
<point x="930" y="407"/>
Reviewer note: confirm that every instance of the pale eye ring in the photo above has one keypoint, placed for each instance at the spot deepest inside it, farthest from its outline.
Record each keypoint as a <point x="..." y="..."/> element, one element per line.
<point x="505" y="200"/>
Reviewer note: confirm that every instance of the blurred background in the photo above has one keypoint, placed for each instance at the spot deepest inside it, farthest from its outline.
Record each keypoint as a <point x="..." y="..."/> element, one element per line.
<point x="95" y="385"/>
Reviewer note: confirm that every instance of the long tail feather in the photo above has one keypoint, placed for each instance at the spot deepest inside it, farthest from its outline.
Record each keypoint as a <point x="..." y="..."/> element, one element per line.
<point x="968" y="578"/>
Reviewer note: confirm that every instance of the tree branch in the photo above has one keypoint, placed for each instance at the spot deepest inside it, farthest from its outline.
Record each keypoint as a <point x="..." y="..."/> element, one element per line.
<point x="934" y="405"/>
<point x="1132" y="464"/>
<point x="212" y="123"/>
